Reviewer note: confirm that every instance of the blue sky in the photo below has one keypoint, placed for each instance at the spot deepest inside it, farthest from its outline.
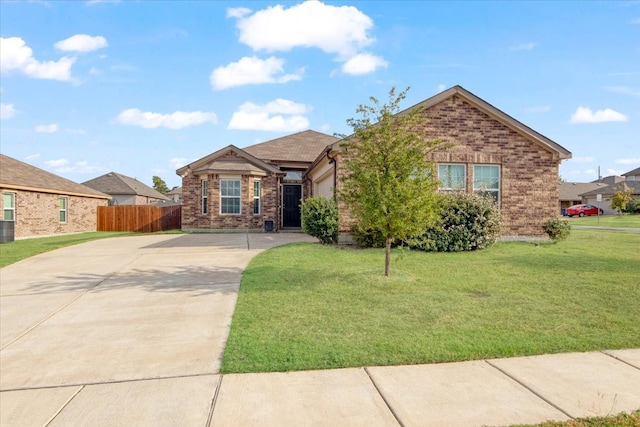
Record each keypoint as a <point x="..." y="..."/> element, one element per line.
<point x="144" y="87"/>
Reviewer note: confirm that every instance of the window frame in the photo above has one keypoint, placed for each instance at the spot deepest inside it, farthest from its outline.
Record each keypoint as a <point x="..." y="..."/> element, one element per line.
<point x="464" y="177"/>
<point x="11" y="209"/>
<point x="63" y="210"/>
<point x="483" y="190"/>
<point x="229" y="197"/>
<point x="257" y="198"/>
<point x="204" y="196"/>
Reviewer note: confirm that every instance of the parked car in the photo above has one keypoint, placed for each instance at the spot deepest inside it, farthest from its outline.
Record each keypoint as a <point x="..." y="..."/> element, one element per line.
<point x="582" y="210"/>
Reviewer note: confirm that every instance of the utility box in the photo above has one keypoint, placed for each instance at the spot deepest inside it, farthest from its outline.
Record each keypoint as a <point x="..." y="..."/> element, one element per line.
<point x="7" y="231"/>
<point x="268" y="226"/>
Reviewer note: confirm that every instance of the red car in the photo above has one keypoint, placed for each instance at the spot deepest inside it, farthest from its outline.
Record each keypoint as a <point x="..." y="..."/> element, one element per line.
<point x="582" y="210"/>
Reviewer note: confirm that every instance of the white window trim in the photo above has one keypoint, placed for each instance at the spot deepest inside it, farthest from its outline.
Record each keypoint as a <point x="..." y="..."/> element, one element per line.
<point x="498" y="190"/>
<point x="258" y="197"/>
<point x="231" y="197"/>
<point x="204" y="196"/>
<point x="464" y="183"/>
<point x="12" y="208"/>
<point x="65" y="210"/>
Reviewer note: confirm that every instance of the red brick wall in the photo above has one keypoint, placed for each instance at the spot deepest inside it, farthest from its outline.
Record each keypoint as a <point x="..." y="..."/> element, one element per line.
<point x="38" y="214"/>
<point x="194" y="219"/>
<point x="529" y="172"/>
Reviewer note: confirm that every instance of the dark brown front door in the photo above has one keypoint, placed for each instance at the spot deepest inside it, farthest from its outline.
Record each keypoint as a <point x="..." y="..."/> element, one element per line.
<point x="291" y="206"/>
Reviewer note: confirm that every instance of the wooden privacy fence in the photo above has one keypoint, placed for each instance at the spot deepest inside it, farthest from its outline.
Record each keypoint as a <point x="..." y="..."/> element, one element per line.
<point x="139" y="218"/>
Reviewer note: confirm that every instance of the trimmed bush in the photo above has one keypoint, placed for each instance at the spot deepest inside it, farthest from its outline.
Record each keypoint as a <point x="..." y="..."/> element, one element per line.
<point x="557" y="229"/>
<point x="633" y="207"/>
<point x="320" y="219"/>
<point x="468" y="222"/>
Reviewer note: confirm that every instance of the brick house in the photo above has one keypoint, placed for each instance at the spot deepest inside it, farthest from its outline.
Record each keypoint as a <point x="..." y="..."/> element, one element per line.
<point x="255" y="188"/>
<point x="40" y="203"/>
<point x="630" y="181"/>
<point x="125" y="190"/>
<point x="492" y="153"/>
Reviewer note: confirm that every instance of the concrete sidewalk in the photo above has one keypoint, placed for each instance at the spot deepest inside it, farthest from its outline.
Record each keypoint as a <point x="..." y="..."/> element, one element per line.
<point x="130" y="332"/>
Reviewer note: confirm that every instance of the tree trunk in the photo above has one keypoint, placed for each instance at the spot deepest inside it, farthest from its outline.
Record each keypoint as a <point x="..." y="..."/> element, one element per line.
<point x="387" y="257"/>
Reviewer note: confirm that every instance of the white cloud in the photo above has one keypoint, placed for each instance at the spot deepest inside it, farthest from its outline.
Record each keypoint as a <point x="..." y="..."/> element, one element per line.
<point x="81" y="43"/>
<point x="57" y="163"/>
<point x="524" y="46"/>
<point x="93" y="2"/>
<point x="334" y="29"/>
<point x="440" y="88"/>
<point x="271" y="116"/>
<point x="636" y="21"/>
<point x="624" y="90"/>
<point x="32" y="157"/>
<point x="7" y="111"/>
<point x="630" y="161"/>
<point x="587" y="159"/>
<point x="610" y="171"/>
<point x="82" y="167"/>
<point x="177" y="120"/>
<point x="251" y="70"/>
<point x="177" y="162"/>
<point x="237" y="12"/>
<point x="585" y="115"/>
<point x="339" y="30"/>
<point x="16" y="56"/>
<point x="52" y="128"/>
<point x="363" y="63"/>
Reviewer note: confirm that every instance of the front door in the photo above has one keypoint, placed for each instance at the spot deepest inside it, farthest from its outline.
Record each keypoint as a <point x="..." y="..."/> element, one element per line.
<point x="291" y="195"/>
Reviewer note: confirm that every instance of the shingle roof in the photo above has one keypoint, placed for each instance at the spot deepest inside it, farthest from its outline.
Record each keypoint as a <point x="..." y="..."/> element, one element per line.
<point x="245" y="162"/>
<point x="574" y="190"/>
<point x="114" y="183"/>
<point x="635" y="172"/>
<point x="609" y="190"/>
<point x="303" y="146"/>
<point x="22" y="176"/>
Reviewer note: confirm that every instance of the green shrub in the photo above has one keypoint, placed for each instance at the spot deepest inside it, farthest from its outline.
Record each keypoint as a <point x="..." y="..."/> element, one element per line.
<point x="557" y="229"/>
<point x="367" y="237"/>
<point x="633" y="207"/>
<point x="320" y="219"/>
<point x="468" y="222"/>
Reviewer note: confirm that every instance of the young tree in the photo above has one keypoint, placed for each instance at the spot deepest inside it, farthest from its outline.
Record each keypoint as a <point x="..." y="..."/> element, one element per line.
<point x="159" y="185"/>
<point x="620" y="200"/>
<point x="389" y="185"/>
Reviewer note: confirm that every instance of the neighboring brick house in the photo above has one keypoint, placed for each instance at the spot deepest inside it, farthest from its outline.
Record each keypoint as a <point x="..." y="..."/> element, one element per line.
<point x="125" y="190"/>
<point x="629" y="181"/>
<point x="254" y="188"/>
<point x="40" y="203"/>
<point x="492" y="153"/>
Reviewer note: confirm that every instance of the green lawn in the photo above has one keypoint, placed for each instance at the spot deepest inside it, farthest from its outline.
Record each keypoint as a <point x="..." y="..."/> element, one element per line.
<point x="621" y="420"/>
<point x="25" y="248"/>
<point x="625" y="221"/>
<point x="308" y="306"/>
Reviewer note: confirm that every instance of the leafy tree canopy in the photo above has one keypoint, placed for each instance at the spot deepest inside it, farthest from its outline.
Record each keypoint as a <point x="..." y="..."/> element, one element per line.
<point x="159" y="185"/>
<point x="389" y="185"/>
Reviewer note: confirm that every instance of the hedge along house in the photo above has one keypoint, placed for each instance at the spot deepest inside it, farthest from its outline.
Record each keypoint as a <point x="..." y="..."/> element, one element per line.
<point x="491" y="153"/>
<point x="39" y="203"/>
<point x="251" y="189"/>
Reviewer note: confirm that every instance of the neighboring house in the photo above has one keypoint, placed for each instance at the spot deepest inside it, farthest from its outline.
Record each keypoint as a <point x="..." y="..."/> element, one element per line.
<point x="571" y="192"/>
<point x="631" y="181"/>
<point x="125" y="190"/>
<point x="492" y="153"/>
<point x="39" y="203"/>
<point x="254" y="188"/>
<point x="175" y="195"/>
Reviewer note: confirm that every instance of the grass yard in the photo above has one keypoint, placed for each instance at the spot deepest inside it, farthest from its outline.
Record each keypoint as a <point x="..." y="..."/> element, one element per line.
<point x="25" y="248"/>
<point x="624" y="221"/>
<point x="621" y="420"/>
<point x="308" y="306"/>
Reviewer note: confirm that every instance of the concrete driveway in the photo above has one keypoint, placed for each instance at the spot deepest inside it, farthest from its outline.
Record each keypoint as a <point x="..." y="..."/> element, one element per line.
<point x="112" y="329"/>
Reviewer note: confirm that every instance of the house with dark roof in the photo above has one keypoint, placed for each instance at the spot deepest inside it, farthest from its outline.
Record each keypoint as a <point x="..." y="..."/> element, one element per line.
<point x="252" y="188"/>
<point x="39" y="203"/>
<point x="571" y="192"/>
<point x="629" y="181"/>
<point x="260" y="186"/>
<point x="125" y="190"/>
<point x="490" y="152"/>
